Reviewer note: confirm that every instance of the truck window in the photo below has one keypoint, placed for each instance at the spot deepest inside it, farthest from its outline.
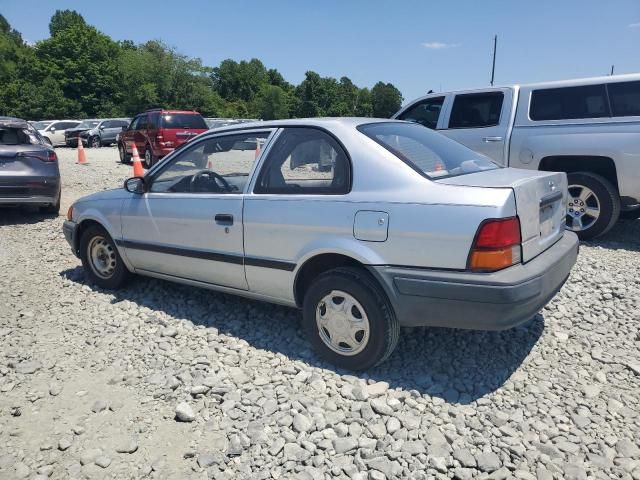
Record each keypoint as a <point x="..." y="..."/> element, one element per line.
<point x="589" y="101"/>
<point x="476" y="110"/>
<point x="425" y="113"/>
<point x="624" y="98"/>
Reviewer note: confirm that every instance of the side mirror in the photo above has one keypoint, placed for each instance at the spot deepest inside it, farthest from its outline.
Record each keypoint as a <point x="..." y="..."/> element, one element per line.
<point x="101" y="127"/>
<point x="135" y="185"/>
<point x="52" y="129"/>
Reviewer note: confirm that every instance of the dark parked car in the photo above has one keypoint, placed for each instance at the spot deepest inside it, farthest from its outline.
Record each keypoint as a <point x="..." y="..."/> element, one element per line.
<point x="158" y="132"/>
<point x="29" y="173"/>
<point x="105" y="133"/>
<point x="71" y="134"/>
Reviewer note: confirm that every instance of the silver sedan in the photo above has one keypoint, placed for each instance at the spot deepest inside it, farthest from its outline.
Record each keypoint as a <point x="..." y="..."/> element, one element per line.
<point x="366" y="225"/>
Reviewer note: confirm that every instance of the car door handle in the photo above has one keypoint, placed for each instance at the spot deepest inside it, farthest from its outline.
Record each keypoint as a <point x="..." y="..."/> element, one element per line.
<point x="224" y="219"/>
<point x="492" y="139"/>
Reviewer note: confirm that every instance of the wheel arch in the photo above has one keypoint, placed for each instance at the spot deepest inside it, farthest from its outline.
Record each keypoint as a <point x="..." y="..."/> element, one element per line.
<point x="600" y="165"/>
<point x="316" y="265"/>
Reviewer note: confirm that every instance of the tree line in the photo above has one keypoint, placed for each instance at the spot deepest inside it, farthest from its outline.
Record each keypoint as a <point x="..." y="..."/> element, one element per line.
<point x="79" y="72"/>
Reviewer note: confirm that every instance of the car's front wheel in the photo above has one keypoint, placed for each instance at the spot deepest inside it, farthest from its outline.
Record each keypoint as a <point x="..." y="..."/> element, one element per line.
<point x="95" y="142"/>
<point x="124" y="157"/>
<point x="101" y="260"/>
<point x="593" y="205"/>
<point x="349" y="320"/>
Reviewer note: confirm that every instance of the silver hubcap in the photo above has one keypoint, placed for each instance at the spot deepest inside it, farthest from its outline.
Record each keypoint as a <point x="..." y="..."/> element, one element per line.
<point x="342" y="323"/>
<point x="583" y="208"/>
<point x="102" y="257"/>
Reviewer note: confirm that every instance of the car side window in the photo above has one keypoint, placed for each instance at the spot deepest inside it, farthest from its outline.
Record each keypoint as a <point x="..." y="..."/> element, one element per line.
<point x="587" y="101"/>
<point x="134" y="123"/>
<point x="305" y="161"/>
<point x="476" y="110"/>
<point x="624" y="98"/>
<point x="215" y="165"/>
<point x="106" y="124"/>
<point x="142" y="122"/>
<point x="426" y="112"/>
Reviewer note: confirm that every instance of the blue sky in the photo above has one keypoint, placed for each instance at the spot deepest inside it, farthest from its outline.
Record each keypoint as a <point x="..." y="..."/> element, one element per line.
<point x="416" y="45"/>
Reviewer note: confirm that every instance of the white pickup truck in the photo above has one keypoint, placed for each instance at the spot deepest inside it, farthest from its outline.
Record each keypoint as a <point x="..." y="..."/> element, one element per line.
<point x="588" y="128"/>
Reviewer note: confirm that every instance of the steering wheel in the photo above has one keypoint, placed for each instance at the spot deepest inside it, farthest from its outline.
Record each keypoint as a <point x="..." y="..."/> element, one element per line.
<point x="208" y="173"/>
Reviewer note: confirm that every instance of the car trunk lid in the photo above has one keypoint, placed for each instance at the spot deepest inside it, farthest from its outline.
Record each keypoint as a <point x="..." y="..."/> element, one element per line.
<point x="540" y="199"/>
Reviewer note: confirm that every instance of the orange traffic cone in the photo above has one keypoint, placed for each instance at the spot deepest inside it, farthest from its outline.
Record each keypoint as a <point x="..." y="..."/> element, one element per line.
<point x="82" y="158"/>
<point x="138" y="171"/>
<point x="257" y="148"/>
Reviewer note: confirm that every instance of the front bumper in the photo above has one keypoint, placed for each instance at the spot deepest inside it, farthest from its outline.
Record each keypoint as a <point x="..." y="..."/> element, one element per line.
<point x="70" y="230"/>
<point x="479" y="301"/>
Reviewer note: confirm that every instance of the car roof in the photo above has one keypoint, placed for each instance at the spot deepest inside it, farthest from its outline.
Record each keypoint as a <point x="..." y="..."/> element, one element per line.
<point x="13" y="122"/>
<point x="162" y="110"/>
<point x="320" y="122"/>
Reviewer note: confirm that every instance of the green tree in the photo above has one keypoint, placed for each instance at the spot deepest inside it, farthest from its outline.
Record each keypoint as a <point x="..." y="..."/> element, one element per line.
<point x="385" y="100"/>
<point x="239" y="80"/>
<point x="64" y="19"/>
<point x="272" y="103"/>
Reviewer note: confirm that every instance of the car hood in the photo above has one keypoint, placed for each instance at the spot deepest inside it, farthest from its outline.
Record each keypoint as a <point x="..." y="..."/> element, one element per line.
<point x="114" y="194"/>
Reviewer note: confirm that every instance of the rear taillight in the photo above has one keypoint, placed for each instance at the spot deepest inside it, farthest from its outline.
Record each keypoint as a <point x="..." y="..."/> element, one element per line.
<point x="47" y="156"/>
<point x="496" y="246"/>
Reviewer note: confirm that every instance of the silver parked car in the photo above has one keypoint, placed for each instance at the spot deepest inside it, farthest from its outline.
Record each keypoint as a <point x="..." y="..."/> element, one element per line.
<point x="366" y="225"/>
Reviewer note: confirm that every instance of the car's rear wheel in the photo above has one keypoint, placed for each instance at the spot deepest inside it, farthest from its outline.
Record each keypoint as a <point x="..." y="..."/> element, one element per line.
<point x="101" y="260"/>
<point x="124" y="156"/>
<point x="149" y="158"/>
<point x="54" y="208"/>
<point x="593" y="205"/>
<point x="94" y="142"/>
<point x="349" y="320"/>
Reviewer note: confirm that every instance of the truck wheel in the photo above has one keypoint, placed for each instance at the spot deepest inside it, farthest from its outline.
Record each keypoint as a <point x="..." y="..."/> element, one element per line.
<point x="124" y="156"/>
<point x="593" y="205"/>
<point x="100" y="259"/>
<point x="349" y="320"/>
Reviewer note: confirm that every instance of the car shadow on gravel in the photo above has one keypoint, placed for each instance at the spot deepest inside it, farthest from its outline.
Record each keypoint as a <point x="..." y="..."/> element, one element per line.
<point x="456" y="365"/>
<point x="22" y="216"/>
<point x="625" y="235"/>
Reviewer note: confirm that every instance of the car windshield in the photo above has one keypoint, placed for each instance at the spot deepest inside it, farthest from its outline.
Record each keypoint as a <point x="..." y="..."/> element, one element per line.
<point x="17" y="136"/>
<point x="183" y="120"/>
<point x="40" y="125"/>
<point x="429" y="153"/>
<point x="88" y="124"/>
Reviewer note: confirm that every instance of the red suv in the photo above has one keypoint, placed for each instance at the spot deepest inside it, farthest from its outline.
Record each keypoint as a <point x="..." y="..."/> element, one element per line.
<point x="158" y="132"/>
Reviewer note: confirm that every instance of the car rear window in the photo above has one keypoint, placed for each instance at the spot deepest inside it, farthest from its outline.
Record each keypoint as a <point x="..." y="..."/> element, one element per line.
<point x="17" y="136"/>
<point x="429" y="153"/>
<point x="566" y="103"/>
<point x="183" y="120"/>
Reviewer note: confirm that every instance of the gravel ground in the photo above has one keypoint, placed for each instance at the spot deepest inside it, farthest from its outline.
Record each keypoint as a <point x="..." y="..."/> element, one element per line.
<point x="166" y="381"/>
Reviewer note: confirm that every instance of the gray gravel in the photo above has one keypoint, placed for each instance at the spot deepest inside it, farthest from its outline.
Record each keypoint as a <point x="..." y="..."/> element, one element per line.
<point x="93" y="383"/>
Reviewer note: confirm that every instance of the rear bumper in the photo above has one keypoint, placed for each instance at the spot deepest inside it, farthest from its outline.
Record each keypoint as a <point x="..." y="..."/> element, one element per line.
<point x="29" y="190"/>
<point x="479" y="301"/>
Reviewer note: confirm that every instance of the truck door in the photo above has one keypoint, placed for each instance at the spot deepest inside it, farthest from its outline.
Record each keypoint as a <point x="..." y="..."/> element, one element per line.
<point x="480" y="120"/>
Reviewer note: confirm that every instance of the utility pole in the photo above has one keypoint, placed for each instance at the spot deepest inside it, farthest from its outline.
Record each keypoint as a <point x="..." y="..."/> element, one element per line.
<point x="493" y="68"/>
<point x="611" y="71"/>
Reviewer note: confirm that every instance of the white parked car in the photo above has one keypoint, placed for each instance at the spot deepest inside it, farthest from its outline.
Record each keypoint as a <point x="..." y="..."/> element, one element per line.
<point x="366" y="225"/>
<point x="54" y="131"/>
<point x="587" y="128"/>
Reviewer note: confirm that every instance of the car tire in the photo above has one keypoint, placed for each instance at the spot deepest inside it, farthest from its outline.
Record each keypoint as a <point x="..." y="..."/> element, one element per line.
<point x="94" y="142"/>
<point x="54" y="208"/>
<point x="124" y="156"/>
<point x="588" y="191"/>
<point x="149" y="158"/>
<point x="371" y="318"/>
<point x="101" y="261"/>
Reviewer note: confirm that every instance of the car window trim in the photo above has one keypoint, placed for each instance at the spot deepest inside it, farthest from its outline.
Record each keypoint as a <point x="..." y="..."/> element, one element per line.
<point x="488" y="92"/>
<point x="305" y="194"/>
<point x="166" y="161"/>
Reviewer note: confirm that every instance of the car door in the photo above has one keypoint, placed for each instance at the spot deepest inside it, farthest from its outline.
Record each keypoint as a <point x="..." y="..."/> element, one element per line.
<point x="480" y="121"/>
<point x="110" y="130"/>
<point x="139" y="134"/>
<point x="189" y="223"/>
<point x="56" y="132"/>
<point x="128" y="134"/>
